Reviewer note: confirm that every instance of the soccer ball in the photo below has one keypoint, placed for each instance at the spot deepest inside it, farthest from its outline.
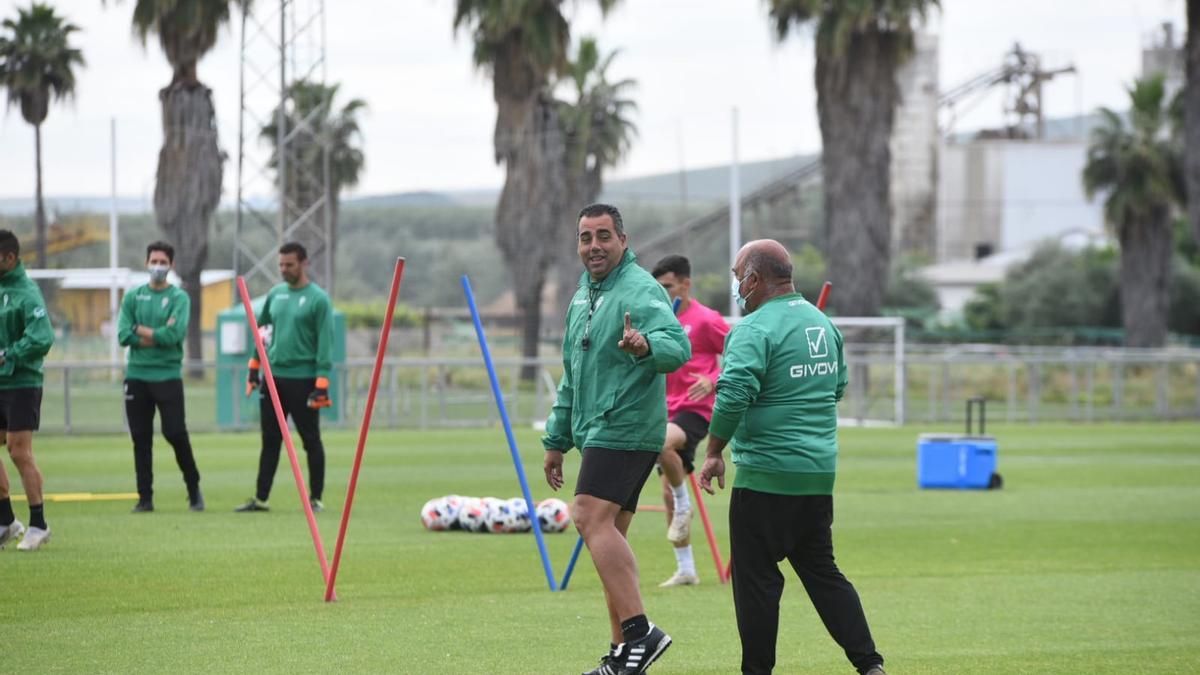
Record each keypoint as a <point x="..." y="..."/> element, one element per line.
<point x="552" y="515"/>
<point x="498" y="514"/>
<point x="437" y="515"/>
<point x="454" y="505"/>
<point x="472" y="516"/>
<point x="518" y="515"/>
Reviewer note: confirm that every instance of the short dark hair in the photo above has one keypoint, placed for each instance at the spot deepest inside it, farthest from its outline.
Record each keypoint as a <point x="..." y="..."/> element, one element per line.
<point x="600" y="209"/>
<point x="294" y="247"/>
<point x="163" y="246"/>
<point x="769" y="267"/>
<point x="9" y="243"/>
<point x="673" y="264"/>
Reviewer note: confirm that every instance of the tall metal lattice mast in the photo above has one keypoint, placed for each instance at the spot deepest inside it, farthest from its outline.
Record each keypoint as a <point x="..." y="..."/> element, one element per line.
<point x="283" y="189"/>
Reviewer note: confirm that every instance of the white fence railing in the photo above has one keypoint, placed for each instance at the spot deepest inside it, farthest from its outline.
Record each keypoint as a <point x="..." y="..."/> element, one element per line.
<point x="1020" y="385"/>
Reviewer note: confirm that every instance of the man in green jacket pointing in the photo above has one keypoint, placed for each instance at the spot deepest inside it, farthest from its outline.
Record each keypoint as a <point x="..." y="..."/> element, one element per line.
<point x="782" y="375"/>
<point x="25" y="339"/>
<point x="621" y="339"/>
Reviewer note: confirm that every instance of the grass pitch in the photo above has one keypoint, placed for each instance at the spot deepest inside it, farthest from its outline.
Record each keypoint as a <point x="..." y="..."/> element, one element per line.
<point x="1087" y="562"/>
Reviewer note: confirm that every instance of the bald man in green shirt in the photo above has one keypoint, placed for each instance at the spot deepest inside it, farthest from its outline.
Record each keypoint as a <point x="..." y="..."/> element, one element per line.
<point x="782" y="375"/>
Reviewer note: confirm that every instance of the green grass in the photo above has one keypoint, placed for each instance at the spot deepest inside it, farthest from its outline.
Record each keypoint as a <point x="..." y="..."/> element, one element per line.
<point x="1087" y="562"/>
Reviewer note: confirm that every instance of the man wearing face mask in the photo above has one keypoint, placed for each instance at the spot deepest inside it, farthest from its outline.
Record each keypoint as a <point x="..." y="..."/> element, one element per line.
<point x="153" y="324"/>
<point x="621" y="339"/>
<point x="782" y="375"/>
<point x="301" y="352"/>
<point x="25" y="338"/>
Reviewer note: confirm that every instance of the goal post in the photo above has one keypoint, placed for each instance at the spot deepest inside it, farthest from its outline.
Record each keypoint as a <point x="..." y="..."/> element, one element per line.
<point x="874" y="348"/>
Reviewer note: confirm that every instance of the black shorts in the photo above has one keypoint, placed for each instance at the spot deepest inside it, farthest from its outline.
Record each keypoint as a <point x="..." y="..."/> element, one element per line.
<point x="695" y="428"/>
<point x="20" y="409"/>
<point x="615" y="476"/>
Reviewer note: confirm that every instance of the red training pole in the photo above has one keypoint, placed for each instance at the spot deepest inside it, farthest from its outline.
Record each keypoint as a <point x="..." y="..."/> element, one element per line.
<point x="385" y="333"/>
<point x="283" y="429"/>
<point x="824" y="296"/>
<point x="708" y="531"/>
<point x="821" y="300"/>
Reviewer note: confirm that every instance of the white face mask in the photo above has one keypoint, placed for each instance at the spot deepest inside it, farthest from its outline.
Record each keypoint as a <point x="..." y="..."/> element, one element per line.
<point x="735" y="289"/>
<point x="158" y="273"/>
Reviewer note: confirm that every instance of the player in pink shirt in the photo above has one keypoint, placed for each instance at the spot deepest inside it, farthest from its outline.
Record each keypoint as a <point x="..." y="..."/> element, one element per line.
<point x="691" y="391"/>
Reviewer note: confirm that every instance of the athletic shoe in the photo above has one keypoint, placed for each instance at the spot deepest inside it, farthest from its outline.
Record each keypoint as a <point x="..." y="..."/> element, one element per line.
<point x="681" y="527"/>
<point x="680" y="579"/>
<point x="33" y="540"/>
<point x="252" y="505"/>
<point x="316" y="505"/>
<point x="608" y="664"/>
<point x="143" y="506"/>
<point x="875" y="670"/>
<point x="11" y="532"/>
<point x="196" y="500"/>
<point x="635" y="657"/>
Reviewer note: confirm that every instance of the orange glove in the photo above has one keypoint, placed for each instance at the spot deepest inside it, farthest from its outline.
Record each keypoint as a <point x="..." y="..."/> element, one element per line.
<point x="319" y="398"/>
<point x="252" y="381"/>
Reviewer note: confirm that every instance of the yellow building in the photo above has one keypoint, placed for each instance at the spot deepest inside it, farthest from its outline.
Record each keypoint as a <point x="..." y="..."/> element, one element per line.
<point x="80" y="296"/>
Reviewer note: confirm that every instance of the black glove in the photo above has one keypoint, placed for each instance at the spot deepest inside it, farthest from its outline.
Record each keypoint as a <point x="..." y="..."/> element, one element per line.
<point x="319" y="398"/>
<point x="252" y="381"/>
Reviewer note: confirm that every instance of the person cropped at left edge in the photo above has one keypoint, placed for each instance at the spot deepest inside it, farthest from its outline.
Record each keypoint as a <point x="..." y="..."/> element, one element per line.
<point x="301" y="353"/>
<point x="153" y="323"/>
<point x="25" y="338"/>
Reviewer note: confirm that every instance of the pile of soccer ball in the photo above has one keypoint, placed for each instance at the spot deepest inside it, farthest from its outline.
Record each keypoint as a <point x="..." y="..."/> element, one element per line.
<point x="489" y="514"/>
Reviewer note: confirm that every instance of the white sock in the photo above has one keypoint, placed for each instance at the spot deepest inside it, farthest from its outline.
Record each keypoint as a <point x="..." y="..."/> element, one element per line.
<point x="683" y="559"/>
<point x="682" y="501"/>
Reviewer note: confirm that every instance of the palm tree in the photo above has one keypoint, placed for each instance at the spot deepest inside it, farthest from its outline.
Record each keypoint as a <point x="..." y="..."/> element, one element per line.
<point x="521" y="44"/>
<point x="1191" y="104"/>
<point x="37" y="63"/>
<point x="598" y="131"/>
<point x="190" y="165"/>
<point x="860" y="44"/>
<point x="313" y="127"/>
<point x="1139" y="169"/>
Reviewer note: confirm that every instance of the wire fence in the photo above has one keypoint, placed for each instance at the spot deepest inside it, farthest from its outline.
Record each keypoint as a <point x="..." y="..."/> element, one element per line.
<point x="1021" y="386"/>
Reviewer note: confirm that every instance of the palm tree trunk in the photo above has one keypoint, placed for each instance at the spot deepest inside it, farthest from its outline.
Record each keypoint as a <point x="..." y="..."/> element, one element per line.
<point x="1145" y="271"/>
<point x="1191" y="117"/>
<point x="856" y="102"/>
<point x="194" y="289"/>
<point x="583" y="188"/>
<point x="530" y="220"/>
<point x="40" y="217"/>
<point x="186" y="191"/>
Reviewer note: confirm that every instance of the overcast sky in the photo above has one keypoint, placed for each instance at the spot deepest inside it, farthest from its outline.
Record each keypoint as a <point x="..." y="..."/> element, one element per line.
<point x="431" y="113"/>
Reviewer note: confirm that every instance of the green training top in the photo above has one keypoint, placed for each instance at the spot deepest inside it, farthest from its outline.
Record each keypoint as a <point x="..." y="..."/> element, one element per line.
<point x="302" y="337"/>
<point x="783" y="373"/>
<point x="25" y="331"/>
<point x="609" y="398"/>
<point x="166" y="311"/>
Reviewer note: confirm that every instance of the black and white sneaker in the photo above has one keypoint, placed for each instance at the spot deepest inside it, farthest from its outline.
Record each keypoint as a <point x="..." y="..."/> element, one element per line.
<point x="252" y="506"/>
<point x="195" y="500"/>
<point x="635" y="657"/>
<point x="608" y="664"/>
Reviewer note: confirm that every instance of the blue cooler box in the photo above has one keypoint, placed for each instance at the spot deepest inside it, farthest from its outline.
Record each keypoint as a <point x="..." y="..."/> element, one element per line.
<point x="955" y="461"/>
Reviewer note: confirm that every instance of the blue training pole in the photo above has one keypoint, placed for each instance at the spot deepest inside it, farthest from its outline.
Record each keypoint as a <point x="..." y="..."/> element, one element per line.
<point x="512" y="442"/>
<point x="571" y="565"/>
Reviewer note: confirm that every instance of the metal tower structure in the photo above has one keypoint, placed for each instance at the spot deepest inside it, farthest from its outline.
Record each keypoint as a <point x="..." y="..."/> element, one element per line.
<point x="283" y="187"/>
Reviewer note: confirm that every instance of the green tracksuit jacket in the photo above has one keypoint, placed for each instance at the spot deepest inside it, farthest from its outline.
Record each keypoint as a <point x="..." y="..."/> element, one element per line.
<point x="145" y="306"/>
<point x="302" y="334"/>
<point x="782" y="375"/>
<point x="25" y="331"/>
<point x="609" y="398"/>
